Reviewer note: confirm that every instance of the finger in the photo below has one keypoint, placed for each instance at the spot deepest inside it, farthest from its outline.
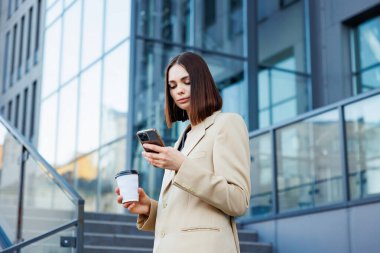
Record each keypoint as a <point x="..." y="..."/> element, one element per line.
<point x="117" y="190"/>
<point x="154" y="147"/>
<point x="131" y="206"/>
<point x="119" y="199"/>
<point x="151" y="155"/>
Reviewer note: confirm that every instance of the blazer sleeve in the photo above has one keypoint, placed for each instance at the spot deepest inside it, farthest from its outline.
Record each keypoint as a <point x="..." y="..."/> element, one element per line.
<point x="148" y="223"/>
<point x="227" y="186"/>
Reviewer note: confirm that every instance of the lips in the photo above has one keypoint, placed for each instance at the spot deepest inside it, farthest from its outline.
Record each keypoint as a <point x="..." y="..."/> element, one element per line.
<point x="183" y="100"/>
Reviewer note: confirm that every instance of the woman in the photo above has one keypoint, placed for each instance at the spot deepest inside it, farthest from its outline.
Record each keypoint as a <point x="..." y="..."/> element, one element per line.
<point x="206" y="181"/>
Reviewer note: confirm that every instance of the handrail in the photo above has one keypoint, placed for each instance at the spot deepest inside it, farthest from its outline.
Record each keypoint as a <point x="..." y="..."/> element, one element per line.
<point x="66" y="187"/>
<point x="61" y="183"/>
<point x="314" y="112"/>
<point x="4" y="240"/>
<point x="40" y="237"/>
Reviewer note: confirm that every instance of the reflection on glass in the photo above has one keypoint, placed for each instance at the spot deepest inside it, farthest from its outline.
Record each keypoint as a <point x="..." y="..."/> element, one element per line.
<point x="261" y="175"/>
<point x="10" y="152"/>
<point x="165" y="19"/>
<point x="115" y="93"/>
<point x="309" y="164"/>
<point x="47" y="129"/>
<point x="363" y="149"/>
<point x="366" y="55"/>
<point x="282" y="95"/>
<point x="112" y="160"/>
<point x="287" y="24"/>
<point x="92" y="30"/>
<point x="219" y="25"/>
<point x="51" y="243"/>
<point x="67" y="123"/>
<point x="283" y="80"/>
<point x="50" y="71"/>
<point x="71" y="39"/>
<point x="89" y="110"/>
<point x="87" y="179"/>
<point x="118" y="15"/>
<point x="368" y="42"/>
<point x="229" y="77"/>
<point x="46" y="206"/>
<point x="53" y="12"/>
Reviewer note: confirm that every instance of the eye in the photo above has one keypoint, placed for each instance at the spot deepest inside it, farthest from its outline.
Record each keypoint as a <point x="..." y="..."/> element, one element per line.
<point x="187" y="83"/>
<point x="172" y="86"/>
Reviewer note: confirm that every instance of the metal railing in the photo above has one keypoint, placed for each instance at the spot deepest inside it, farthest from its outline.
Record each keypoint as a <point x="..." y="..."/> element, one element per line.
<point x="36" y="203"/>
<point x="269" y="200"/>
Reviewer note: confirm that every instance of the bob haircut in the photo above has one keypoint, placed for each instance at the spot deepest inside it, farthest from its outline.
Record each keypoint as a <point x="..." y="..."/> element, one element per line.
<point x="204" y="96"/>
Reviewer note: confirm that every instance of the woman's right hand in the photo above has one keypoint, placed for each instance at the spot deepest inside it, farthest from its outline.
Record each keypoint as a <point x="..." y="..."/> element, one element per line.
<point x="140" y="207"/>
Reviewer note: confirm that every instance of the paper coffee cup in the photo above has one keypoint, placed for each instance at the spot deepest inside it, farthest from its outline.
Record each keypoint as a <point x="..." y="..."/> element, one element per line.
<point x="128" y="182"/>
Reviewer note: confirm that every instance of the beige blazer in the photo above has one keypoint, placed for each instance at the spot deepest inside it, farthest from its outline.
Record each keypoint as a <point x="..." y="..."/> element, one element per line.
<point x="197" y="204"/>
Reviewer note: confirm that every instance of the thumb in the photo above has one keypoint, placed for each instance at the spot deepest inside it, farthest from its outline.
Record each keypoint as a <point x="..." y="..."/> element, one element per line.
<point x="141" y="192"/>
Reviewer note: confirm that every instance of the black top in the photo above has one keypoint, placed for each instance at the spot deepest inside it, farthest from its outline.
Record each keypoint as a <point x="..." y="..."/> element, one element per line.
<point x="182" y="143"/>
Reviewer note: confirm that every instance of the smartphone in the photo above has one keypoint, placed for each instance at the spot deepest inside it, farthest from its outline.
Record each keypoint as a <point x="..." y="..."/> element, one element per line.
<point x="150" y="136"/>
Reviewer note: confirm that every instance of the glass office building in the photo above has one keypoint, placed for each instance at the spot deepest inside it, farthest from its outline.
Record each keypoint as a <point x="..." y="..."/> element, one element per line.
<point x="102" y="80"/>
<point x="305" y="76"/>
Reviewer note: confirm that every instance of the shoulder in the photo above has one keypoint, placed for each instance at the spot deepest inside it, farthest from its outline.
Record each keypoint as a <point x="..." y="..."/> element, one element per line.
<point x="229" y="118"/>
<point x="227" y="121"/>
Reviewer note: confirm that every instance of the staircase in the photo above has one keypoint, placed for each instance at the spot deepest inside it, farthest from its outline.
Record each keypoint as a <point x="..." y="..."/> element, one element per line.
<point x="116" y="233"/>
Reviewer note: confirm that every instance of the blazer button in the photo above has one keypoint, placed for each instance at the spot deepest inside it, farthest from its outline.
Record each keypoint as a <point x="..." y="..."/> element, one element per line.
<point x="165" y="205"/>
<point x="162" y="234"/>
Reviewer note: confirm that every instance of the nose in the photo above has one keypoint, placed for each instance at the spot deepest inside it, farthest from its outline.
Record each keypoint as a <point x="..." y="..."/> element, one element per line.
<point x="180" y="90"/>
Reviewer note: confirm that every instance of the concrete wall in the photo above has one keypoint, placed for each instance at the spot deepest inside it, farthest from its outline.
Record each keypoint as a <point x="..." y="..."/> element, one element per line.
<point x="351" y="230"/>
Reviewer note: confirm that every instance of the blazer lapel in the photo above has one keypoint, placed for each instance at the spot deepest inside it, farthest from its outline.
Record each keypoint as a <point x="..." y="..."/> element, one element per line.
<point x="197" y="133"/>
<point x="169" y="174"/>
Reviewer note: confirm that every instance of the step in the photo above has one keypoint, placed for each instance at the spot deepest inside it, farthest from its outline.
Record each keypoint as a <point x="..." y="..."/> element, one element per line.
<point x="97" y="249"/>
<point x="121" y="240"/>
<point x="110" y="217"/>
<point x="107" y="227"/>
<point x="256" y="247"/>
<point x="248" y="235"/>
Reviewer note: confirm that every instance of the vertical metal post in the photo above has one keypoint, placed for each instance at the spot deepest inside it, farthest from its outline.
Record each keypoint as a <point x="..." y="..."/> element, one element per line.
<point x="251" y="65"/>
<point x="343" y="155"/>
<point x="132" y="80"/>
<point x="20" y="208"/>
<point x="80" y="227"/>
<point x="275" y="204"/>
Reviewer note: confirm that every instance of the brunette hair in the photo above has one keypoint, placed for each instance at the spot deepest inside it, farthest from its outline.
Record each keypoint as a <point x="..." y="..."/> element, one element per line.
<point x="204" y="96"/>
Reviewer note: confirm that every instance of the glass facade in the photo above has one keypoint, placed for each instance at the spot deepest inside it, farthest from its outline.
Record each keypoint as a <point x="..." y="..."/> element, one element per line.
<point x="84" y="95"/>
<point x="284" y="76"/>
<point x="366" y="59"/>
<point x="362" y="124"/>
<point x="91" y="76"/>
<point x="308" y="164"/>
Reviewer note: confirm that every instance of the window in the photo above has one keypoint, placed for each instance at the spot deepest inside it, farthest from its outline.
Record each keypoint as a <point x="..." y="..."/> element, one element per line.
<point x="30" y="21"/>
<point x="21" y="45"/>
<point x="5" y="62"/>
<point x="365" y="44"/>
<point x="24" y="112"/>
<point x="37" y="39"/>
<point x="9" y="116"/>
<point x="10" y="8"/>
<point x="33" y="110"/>
<point x="284" y="85"/>
<point x="17" y="107"/>
<point x="13" y="53"/>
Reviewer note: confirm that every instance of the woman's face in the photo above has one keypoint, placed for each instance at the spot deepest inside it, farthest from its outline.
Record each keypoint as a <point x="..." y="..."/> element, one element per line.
<point x="179" y="86"/>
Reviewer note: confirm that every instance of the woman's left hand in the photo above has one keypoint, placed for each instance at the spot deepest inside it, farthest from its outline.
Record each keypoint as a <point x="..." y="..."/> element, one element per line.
<point x="166" y="157"/>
